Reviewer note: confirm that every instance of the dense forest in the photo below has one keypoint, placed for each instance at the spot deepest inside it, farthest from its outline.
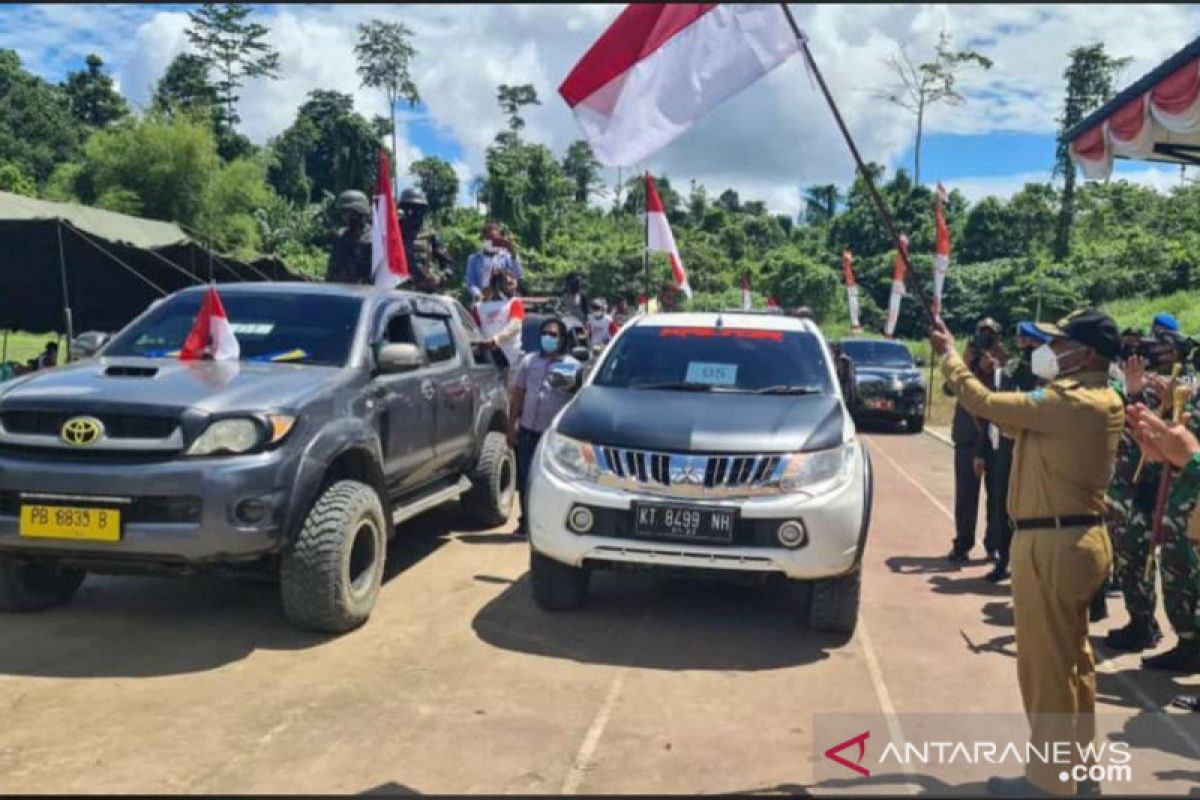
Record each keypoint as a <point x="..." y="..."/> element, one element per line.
<point x="1050" y="247"/>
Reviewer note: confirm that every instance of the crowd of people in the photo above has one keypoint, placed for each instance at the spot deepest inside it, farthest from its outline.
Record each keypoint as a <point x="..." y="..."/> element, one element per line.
<point x="1087" y="446"/>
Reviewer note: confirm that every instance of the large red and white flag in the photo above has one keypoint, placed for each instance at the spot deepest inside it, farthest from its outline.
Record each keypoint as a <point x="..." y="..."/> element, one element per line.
<point x="389" y="266"/>
<point x="941" y="258"/>
<point x="659" y="67"/>
<point x="746" y="303"/>
<point x="893" y="315"/>
<point x="851" y="289"/>
<point x="211" y="334"/>
<point x="659" y="238"/>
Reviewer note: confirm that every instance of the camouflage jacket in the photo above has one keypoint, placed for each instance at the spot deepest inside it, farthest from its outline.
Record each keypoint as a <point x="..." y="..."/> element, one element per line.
<point x="427" y="259"/>
<point x="1122" y="491"/>
<point x="350" y="258"/>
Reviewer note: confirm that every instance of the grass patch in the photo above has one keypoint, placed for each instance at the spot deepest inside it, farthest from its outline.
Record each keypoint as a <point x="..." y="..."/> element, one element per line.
<point x="24" y="346"/>
<point x="1138" y="312"/>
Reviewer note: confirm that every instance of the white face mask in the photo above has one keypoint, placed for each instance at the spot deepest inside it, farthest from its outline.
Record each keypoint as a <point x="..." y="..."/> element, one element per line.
<point x="489" y="247"/>
<point x="1044" y="363"/>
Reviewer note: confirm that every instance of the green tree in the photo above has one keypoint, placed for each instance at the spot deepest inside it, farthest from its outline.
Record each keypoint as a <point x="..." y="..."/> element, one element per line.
<point x="185" y="88"/>
<point x="91" y="94"/>
<point x="438" y="181"/>
<point x="328" y="148"/>
<point x="37" y="130"/>
<point x="820" y="203"/>
<point x="729" y="201"/>
<point x="1090" y="75"/>
<point x="235" y="48"/>
<point x="988" y="234"/>
<point x="921" y="86"/>
<point x="583" y="169"/>
<point x="12" y="179"/>
<point x="385" y="53"/>
<point x="512" y="99"/>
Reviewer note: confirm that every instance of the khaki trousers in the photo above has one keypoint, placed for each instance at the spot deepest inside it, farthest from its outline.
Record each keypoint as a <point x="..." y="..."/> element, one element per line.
<point x="1055" y="572"/>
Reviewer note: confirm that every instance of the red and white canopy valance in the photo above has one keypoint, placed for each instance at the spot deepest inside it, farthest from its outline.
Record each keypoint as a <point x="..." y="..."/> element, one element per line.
<point x="1156" y="119"/>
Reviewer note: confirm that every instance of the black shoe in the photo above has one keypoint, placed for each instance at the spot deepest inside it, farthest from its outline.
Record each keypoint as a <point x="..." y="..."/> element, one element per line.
<point x="1135" y="637"/>
<point x="958" y="556"/>
<point x="992" y="556"/>
<point x="1188" y="702"/>
<point x="1183" y="657"/>
<point x="998" y="573"/>
<point x="1013" y="787"/>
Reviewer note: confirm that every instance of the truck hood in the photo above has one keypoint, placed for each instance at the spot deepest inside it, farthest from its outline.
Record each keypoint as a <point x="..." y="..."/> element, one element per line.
<point x="209" y="386"/>
<point x="687" y="422"/>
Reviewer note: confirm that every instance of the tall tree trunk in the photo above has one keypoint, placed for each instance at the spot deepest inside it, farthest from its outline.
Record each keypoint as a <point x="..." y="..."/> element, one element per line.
<point x="917" y="149"/>
<point x="1066" y="216"/>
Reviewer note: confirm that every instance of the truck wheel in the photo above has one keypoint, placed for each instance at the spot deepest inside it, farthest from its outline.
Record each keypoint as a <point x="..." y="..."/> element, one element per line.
<point x="916" y="423"/>
<point x="34" y="585"/>
<point x="331" y="574"/>
<point x="489" y="501"/>
<point x="558" y="586"/>
<point x="834" y="607"/>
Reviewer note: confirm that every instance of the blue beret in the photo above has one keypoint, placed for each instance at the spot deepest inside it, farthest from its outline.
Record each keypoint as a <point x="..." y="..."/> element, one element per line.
<point x="1027" y="330"/>
<point x="1165" y="320"/>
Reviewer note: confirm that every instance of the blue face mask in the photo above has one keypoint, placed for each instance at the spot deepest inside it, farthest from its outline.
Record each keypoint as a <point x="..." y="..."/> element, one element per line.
<point x="549" y="344"/>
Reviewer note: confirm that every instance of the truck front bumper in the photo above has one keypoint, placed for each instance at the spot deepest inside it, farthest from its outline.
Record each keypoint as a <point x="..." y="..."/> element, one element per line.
<point x="181" y="511"/>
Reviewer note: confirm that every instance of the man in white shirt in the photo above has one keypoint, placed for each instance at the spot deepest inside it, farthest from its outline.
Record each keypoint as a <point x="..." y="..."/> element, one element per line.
<point x="601" y="327"/>
<point x="500" y="315"/>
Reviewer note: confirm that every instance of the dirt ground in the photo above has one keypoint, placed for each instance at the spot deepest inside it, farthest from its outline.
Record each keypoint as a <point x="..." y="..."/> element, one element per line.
<point x="459" y="684"/>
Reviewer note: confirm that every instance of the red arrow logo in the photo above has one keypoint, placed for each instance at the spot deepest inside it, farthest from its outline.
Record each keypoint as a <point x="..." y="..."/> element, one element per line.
<point x="861" y="741"/>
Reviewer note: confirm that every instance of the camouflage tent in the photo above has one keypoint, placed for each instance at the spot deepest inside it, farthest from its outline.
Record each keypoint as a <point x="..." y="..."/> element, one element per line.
<point x="102" y="267"/>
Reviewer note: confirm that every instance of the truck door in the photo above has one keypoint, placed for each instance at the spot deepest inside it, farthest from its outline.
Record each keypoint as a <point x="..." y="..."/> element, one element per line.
<point x="407" y="424"/>
<point x="450" y="372"/>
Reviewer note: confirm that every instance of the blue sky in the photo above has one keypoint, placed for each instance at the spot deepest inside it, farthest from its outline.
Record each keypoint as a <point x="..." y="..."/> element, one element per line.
<point x="765" y="142"/>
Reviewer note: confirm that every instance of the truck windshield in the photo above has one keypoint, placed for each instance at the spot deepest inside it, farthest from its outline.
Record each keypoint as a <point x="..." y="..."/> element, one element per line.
<point x="717" y="359"/>
<point x="294" y="329"/>
<point x="878" y="354"/>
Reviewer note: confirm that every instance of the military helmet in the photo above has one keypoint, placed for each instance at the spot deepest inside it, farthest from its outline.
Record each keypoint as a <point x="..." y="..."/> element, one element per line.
<point x="413" y="197"/>
<point x="353" y="200"/>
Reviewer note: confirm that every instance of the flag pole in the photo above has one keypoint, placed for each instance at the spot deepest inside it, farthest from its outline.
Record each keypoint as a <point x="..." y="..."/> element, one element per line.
<point x="646" y="238"/>
<point x="880" y="206"/>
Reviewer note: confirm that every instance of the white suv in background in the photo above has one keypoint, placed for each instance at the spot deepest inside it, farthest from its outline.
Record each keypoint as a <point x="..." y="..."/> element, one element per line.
<point x="714" y="441"/>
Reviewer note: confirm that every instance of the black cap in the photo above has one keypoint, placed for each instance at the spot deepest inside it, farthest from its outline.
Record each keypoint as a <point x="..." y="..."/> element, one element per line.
<point x="1089" y="327"/>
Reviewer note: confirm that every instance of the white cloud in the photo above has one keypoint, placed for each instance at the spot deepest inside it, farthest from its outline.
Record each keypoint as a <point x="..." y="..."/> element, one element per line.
<point x="767" y="141"/>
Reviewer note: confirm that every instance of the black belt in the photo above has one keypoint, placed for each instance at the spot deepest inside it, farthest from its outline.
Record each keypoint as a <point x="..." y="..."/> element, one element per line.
<point x="1076" y="521"/>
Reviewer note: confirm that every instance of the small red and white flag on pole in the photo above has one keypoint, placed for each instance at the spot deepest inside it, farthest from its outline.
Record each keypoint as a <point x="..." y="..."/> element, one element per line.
<point x="659" y="238"/>
<point x="851" y="289"/>
<point x="659" y="67"/>
<point x="211" y="334"/>
<point x="389" y="266"/>
<point x="746" y="304"/>
<point x="898" y="292"/>
<point x="941" y="258"/>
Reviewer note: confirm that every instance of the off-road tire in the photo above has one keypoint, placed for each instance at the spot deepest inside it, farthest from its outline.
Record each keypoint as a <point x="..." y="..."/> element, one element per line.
<point x="330" y="576"/>
<point x="834" y="604"/>
<point x="35" y="585"/>
<point x="489" y="501"/>
<point x="916" y="424"/>
<point x="558" y="586"/>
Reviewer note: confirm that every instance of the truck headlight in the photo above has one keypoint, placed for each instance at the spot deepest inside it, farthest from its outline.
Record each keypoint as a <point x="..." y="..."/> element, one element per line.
<point x="819" y="472"/>
<point x="570" y="458"/>
<point x="239" y="435"/>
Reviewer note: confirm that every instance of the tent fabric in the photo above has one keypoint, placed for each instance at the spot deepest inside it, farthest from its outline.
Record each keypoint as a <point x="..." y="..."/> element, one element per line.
<point x="1155" y="119"/>
<point x="108" y="225"/>
<point x="116" y="265"/>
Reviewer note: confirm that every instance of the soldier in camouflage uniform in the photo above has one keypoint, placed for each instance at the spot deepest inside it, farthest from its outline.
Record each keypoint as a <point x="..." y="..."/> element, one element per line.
<point x="428" y="261"/>
<point x="1132" y="545"/>
<point x="350" y="256"/>
<point x="1180" y="555"/>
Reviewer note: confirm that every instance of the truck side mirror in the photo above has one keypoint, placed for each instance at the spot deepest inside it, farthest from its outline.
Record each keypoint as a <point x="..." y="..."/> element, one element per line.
<point x="401" y="357"/>
<point x="581" y="354"/>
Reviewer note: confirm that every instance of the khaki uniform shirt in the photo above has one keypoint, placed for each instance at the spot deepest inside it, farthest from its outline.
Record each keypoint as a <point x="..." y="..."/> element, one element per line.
<point x="1065" y="433"/>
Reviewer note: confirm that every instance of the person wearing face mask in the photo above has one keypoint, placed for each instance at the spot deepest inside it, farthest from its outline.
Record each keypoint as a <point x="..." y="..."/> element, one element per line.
<point x="996" y="448"/>
<point x="428" y="262"/>
<point x="500" y="315"/>
<point x="600" y="326"/>
<point x="1065" y="441"/>
<point x="495" y="252"/>
<point x="533" y="402"/>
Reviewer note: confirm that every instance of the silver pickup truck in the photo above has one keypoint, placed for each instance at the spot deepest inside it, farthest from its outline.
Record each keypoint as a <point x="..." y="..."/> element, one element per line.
<point x="349" y="410"/>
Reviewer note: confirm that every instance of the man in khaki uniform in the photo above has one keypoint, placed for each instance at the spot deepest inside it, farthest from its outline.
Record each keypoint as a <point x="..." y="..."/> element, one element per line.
<point x="1066" y="436"/>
